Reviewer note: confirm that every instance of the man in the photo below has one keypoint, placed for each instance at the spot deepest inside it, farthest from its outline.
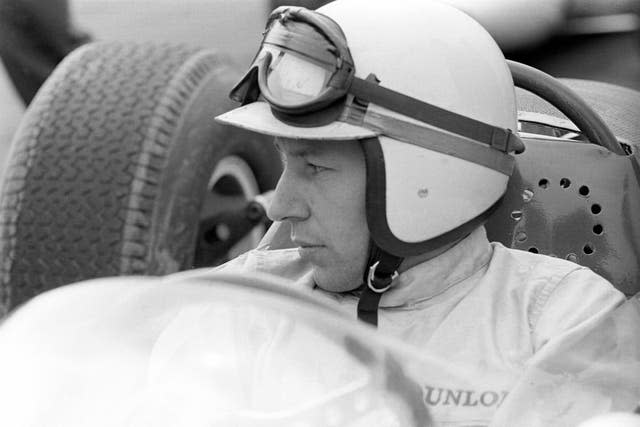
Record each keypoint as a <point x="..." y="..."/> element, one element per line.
<point x="394" y="121"/>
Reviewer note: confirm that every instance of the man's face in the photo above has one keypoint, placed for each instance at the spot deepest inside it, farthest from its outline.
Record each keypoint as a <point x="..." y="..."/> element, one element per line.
<point x="321" y="194"/>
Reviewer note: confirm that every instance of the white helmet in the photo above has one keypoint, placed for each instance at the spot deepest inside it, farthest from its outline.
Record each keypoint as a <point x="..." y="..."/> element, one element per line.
<point x="424" y="87"/>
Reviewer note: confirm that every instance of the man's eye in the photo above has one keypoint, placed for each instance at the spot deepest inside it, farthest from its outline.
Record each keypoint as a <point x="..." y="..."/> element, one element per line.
<point x="315" y="168"/>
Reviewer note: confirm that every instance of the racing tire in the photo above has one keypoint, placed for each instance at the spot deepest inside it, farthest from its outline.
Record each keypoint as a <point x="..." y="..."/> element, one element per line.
<point x="111" y="163"/>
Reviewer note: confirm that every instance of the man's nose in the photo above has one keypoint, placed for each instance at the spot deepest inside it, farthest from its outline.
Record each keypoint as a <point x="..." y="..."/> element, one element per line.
<point x="288" y="202"/>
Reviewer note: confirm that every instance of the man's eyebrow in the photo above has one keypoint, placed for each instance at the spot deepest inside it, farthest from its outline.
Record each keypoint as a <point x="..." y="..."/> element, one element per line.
<point x="296" y="149"/>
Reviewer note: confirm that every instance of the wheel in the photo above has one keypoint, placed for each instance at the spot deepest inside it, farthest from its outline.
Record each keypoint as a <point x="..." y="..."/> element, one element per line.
<point x="618" y="106"/>
<point x="567" y="102"/>
<point x="114" y="163"/>
<point x="232" y="183"/>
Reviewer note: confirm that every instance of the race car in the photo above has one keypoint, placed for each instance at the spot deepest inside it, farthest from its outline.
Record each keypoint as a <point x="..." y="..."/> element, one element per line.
<point x="200" y="351"/>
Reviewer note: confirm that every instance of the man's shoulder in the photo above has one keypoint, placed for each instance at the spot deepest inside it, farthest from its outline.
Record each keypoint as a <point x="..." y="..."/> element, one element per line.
<point x="537" y="269"/>
<point x="552" y="285"/>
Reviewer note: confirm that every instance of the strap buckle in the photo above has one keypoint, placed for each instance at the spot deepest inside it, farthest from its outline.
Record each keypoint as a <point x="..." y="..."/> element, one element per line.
<point x="500" y="140"/>
<point x="371" y="278"/>
<point x="505" y="140"/>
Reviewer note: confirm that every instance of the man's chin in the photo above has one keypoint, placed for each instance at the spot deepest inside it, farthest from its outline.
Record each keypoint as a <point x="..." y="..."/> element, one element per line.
<point x="334" y="282"/>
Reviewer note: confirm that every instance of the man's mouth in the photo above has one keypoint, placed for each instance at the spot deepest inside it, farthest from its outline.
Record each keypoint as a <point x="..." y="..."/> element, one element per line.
<point x="300" y="243"/>
<point x="307" y="245"/>
<point x="310" y="253"/>
<point x="307" y="250"/>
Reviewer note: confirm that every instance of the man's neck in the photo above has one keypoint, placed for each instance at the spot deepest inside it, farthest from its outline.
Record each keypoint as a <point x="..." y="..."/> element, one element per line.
<point x="419" y="259"/>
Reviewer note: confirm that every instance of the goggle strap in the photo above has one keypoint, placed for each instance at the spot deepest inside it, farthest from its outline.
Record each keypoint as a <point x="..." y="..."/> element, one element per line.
<point x="303" y="47"/>
<point x="430" y="138"/>
<point x="501" y="139"/>
<point x="361" y="102"/>
<point x="325" y="25"/>
<point x="246" y="90"/>
<point x="355" y="108"/>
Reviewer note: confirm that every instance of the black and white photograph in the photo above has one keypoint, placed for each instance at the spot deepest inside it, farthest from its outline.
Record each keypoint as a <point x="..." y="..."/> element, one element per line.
<point x="320" y="213"/>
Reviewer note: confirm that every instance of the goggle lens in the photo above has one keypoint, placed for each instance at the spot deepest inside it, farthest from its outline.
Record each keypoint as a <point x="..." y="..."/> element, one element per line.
<point x="292" y="79"/>
<point x="303" y="64"/>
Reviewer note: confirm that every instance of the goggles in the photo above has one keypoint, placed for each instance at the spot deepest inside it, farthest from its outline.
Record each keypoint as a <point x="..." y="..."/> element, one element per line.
<point x="305" y="72"/>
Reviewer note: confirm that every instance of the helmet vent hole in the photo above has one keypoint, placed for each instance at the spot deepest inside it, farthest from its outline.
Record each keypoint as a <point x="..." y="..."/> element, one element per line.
<point x="588" y="249"/>
<point x="543" y="183"/>
<point x="565" y="183"/>
<point x="596" y="209"/>
<point x="527" y="195"/>
<point x="533" y="250"/>
<point x="584" y="190"/>
<point x="423" y="193"/>
<point x="572" y="257"/>
<point x="598" y="229"/>
<point x="516" y="215"/>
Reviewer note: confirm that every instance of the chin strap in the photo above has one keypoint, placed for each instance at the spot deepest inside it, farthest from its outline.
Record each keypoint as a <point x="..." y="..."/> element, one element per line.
<point x="383" y="268"/>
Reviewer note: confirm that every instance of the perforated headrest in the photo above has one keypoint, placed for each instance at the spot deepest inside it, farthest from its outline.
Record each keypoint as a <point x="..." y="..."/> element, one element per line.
<point x="576" y="200"/>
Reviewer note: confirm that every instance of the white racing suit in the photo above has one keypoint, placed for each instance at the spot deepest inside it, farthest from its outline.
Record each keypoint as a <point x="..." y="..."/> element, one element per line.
<point x="541" y="341"/>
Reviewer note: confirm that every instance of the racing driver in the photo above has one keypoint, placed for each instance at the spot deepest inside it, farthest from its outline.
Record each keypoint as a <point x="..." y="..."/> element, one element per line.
<point x="396" y="126"/>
